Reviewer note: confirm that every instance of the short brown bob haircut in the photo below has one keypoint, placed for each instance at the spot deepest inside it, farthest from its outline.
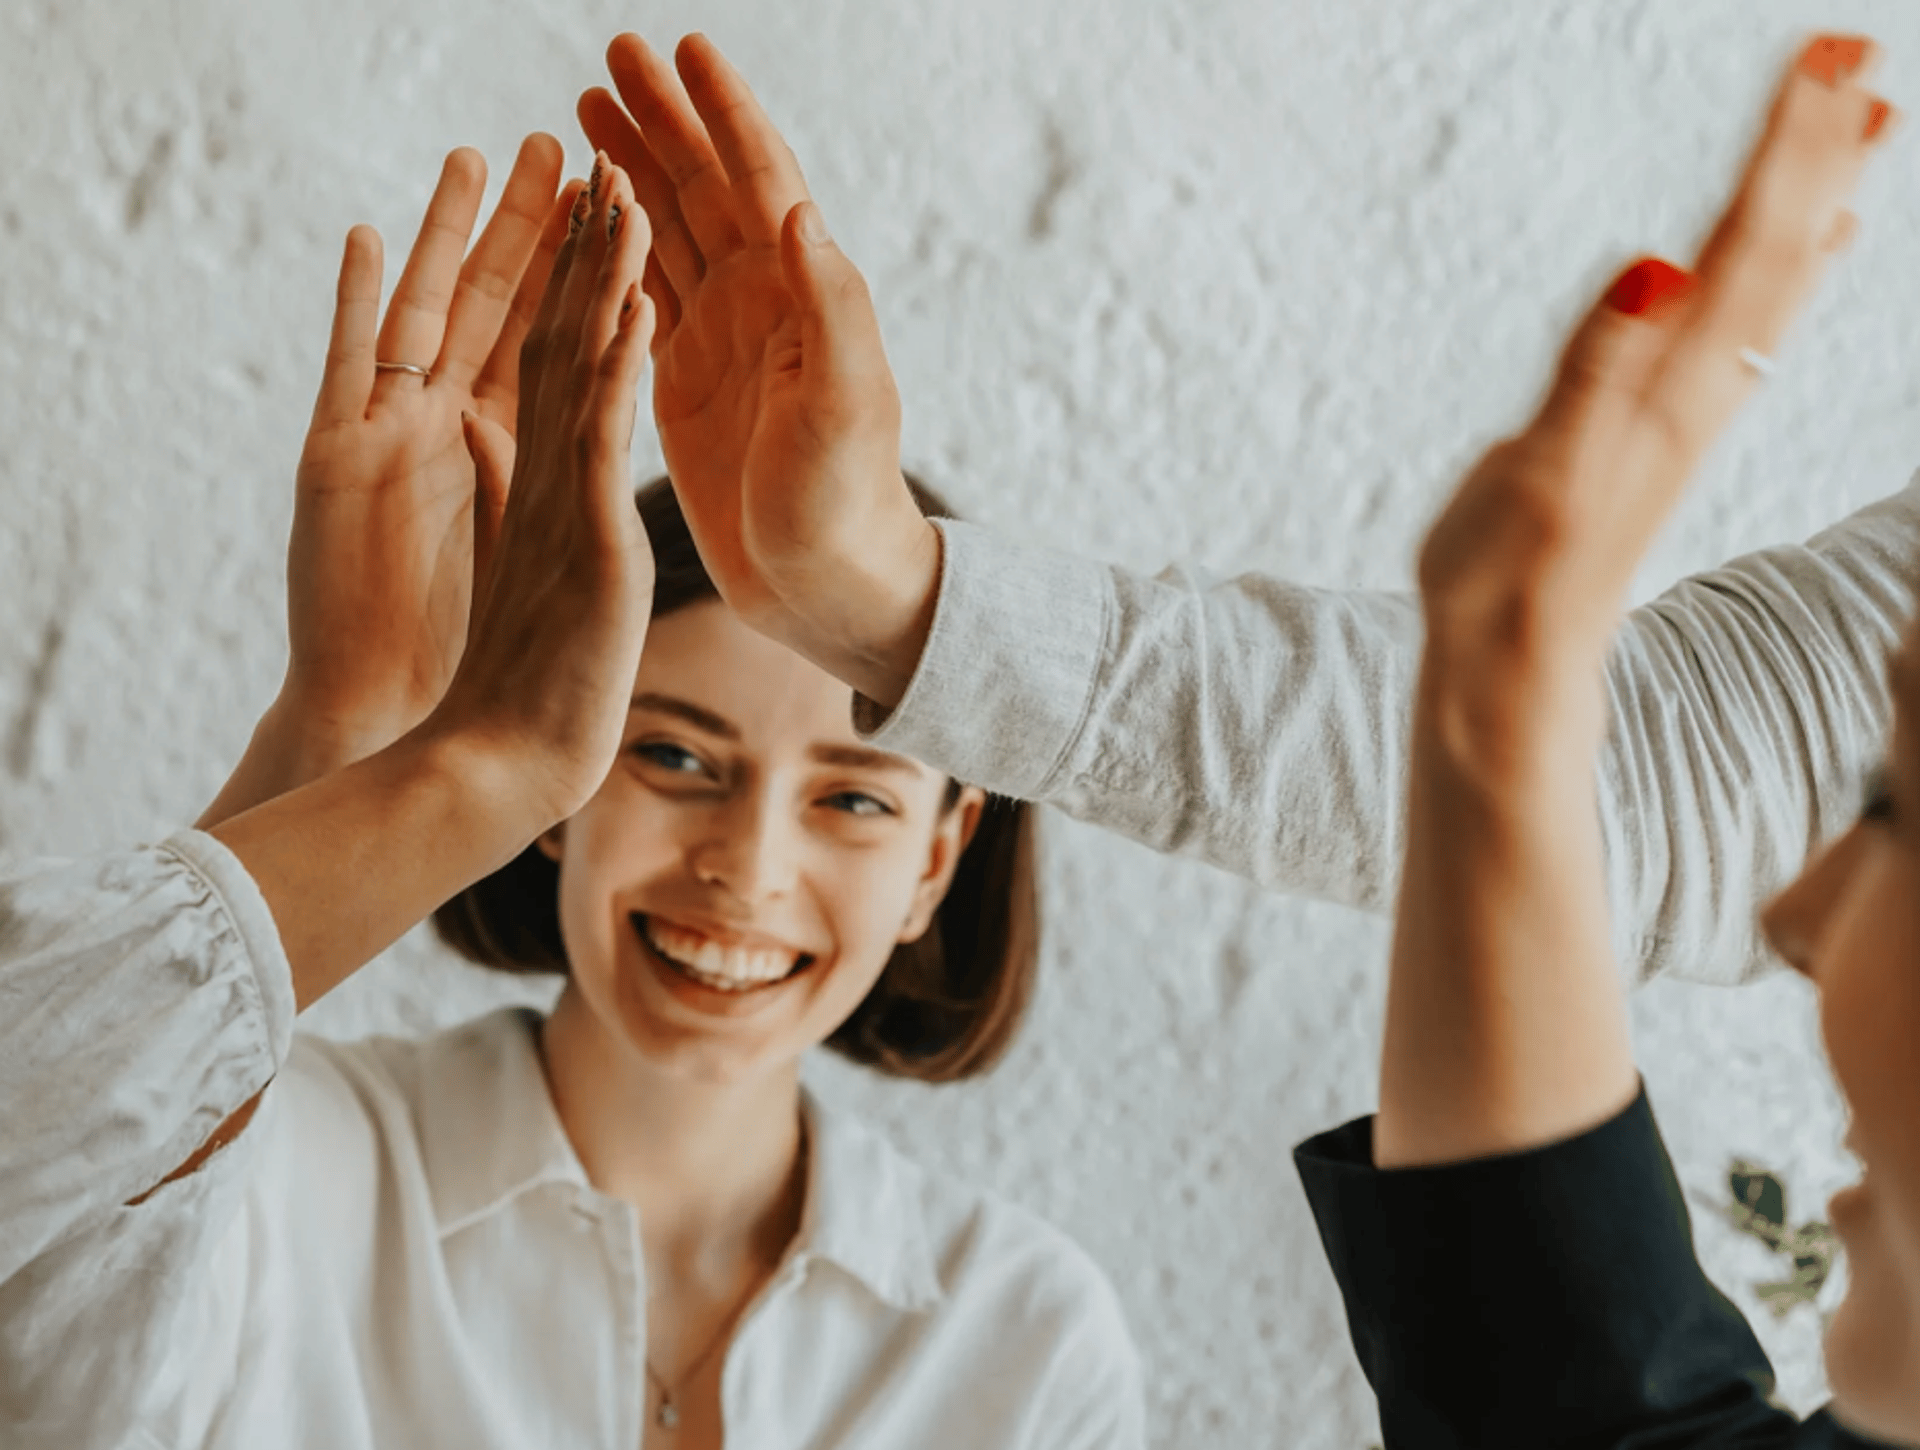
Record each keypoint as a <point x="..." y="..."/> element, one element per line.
<point x="945" y="1007"/>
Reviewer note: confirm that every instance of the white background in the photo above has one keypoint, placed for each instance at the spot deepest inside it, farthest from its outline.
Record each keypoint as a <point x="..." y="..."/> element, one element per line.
<point x="1241" y="281"/>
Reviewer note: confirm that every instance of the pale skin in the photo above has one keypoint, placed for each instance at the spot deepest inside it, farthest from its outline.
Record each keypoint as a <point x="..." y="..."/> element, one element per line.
<point x="1506" y="1026"/>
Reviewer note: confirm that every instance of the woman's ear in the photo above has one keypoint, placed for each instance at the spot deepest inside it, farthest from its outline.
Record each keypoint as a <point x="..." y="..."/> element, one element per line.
<point x="553" y="843"/>
<point x="950" y="838"/>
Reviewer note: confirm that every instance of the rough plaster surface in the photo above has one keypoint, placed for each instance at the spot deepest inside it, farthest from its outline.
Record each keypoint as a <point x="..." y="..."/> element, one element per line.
<point x="1240" y="280"/>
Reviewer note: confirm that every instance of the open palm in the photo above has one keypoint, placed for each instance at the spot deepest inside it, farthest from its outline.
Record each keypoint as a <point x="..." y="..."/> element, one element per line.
<point x="783" y="443"/>
<point x="387" y="516"/>
<point x="727" y="407"/>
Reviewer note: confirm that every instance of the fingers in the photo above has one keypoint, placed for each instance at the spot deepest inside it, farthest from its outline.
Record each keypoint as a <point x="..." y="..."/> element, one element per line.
<point x="501" y="375"/>
<point x="1664" y="348"/>
<point x="490" y="278"/>
<point x="766" y="179"/>
<point x="346" y="382"/>
<point x="491" y="448"/>
<point x="1613" y="353"/>
<point x="1771" y="248"/>
<point x="613" y="403"/>
<point x="621" y="265"/>
<point x="537" y="398"/>
<point x="585" y="250"/>
<point x="678" y="140"/>
<point x="611" y="130"/>
<point x="845" y="359"/>
<point x="416" y="319"/>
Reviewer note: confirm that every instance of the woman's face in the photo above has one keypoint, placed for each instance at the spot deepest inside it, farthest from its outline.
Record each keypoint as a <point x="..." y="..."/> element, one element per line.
<point x="1852" y="923"/>
<point x="741" y="877"/>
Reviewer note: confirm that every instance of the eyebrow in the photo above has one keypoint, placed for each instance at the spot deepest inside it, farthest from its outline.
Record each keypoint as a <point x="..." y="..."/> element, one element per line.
<point x="853" y="757"/>
<point x="694" y="715"/>
<point x="859" y="757"/>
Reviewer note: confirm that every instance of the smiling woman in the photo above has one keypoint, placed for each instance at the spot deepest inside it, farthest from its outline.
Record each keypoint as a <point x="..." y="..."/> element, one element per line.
<point x="749" y="882"/>
<point x="948" y="1001"/>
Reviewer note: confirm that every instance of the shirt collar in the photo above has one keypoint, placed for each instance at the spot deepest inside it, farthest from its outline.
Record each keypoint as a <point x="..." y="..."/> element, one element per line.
<point x="489" y="1132"/>
<point x="866" y="1211"/>
<point x="488" y="1129"/>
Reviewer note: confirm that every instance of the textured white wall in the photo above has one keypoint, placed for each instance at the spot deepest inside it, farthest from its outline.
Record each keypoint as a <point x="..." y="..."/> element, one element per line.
<point x="1240" y="280"/>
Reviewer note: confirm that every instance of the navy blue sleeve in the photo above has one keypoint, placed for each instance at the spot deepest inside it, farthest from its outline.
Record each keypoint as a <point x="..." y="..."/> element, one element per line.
<point x="1543" y="1299"/>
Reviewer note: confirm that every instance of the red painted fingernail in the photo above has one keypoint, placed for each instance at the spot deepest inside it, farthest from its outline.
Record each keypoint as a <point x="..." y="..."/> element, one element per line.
<point x="1877" y="115"/>
<point x="1648" y="284"/>
<point x="1830" y="59"/>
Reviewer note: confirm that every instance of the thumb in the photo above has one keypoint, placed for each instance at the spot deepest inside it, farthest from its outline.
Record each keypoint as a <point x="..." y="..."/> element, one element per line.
<point x="840" y="344"/>
<point x="1615" y="352"/>
<point x="492" y="449"/>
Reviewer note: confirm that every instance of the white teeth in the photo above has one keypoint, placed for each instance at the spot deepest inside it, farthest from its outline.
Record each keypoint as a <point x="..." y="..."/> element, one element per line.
<point x="708" y="962"/>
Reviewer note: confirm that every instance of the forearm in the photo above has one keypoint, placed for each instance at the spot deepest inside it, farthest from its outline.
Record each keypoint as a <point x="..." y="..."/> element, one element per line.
<point x="1506" y="1025"/>
<point x="1264" y="727"/>
<point x="348" y="863"/>
<point x="1254" y="724"/>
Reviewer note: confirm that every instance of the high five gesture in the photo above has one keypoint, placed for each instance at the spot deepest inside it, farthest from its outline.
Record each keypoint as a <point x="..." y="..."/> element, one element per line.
<point x="777" y="411"/>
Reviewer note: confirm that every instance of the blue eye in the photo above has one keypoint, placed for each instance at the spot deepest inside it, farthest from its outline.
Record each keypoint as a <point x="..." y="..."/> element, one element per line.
<point x="858" y="803"/>
<point x="668" y="757"/>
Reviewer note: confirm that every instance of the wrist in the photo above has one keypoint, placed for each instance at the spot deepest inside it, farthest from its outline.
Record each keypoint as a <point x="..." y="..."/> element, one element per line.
<point x="308" y="739"/>
<point x="290" y="747"/>
<point x="1509" y="732"/>
<point x="507" y="790"/>
<point x="886" y="614"/>
<point x="350" y="862"/>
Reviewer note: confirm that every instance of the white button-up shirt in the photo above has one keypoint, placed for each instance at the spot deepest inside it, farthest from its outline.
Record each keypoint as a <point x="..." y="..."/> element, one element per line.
<point x="403" y="1249"/>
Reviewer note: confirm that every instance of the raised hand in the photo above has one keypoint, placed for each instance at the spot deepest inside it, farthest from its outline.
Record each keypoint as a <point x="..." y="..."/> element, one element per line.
<point x="530" y="722"/>
<point x="380" y="563"/>
<point x="777" y="411"/>
<point x="561" y="614"/>
<point x="1506" y="1027"/>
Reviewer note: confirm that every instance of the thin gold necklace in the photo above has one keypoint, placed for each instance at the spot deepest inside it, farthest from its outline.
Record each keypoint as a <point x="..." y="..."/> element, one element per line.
<point x="667" y="1413"/>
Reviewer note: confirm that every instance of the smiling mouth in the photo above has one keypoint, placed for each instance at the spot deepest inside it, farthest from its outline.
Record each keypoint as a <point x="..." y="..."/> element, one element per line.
<point x="707" y="963"/>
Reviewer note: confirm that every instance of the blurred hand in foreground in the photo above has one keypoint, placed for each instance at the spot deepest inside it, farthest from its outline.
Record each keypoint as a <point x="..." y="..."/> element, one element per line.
<point x="1506" y="1022"/>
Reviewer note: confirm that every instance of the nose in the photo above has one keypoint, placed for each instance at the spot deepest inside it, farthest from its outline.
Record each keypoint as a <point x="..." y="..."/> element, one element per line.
<point x="1794" y="920"/>
<point x="750" y="850"/>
